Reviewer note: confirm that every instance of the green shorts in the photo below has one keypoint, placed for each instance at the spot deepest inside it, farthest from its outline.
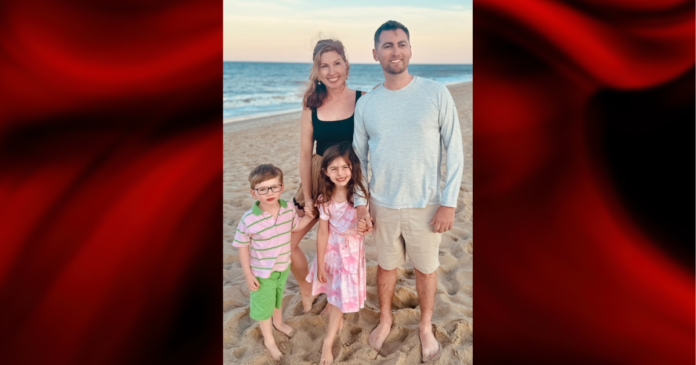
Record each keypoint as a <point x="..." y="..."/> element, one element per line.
<point x="268" y="296"/>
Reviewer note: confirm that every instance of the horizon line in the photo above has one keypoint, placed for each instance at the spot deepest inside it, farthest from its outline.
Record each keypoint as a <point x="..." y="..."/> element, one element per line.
<point x="352" y="63"/>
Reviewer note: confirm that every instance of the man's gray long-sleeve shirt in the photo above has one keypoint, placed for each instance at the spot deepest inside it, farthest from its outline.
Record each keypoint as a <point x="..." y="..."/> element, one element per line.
<point x="403" y="131"/>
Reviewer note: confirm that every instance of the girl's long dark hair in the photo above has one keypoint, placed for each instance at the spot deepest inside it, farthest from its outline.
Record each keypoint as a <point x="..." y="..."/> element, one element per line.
<point x="355" y="186"/>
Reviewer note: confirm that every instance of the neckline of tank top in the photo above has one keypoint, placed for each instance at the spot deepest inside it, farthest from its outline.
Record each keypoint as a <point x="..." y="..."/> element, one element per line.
<point x="316" y="112"/>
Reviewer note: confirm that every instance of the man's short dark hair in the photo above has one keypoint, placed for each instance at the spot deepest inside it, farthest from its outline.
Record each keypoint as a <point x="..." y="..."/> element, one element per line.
<point x="390" y="25"/>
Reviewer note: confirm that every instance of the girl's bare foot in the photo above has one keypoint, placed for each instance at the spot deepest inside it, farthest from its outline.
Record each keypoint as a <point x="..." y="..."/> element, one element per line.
<point x="326" y="355"/>
<point x="273" y="350"/>
<point x="284" y="329"/>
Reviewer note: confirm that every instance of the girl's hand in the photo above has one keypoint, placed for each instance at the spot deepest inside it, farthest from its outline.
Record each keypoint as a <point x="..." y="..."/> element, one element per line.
<point x="321" y="274"/>
<point x="252" y="283"/>
<point x="362" y="226"/>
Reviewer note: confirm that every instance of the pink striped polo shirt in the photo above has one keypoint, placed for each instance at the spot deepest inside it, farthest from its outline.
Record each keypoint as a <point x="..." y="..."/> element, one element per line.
<point x="269" y="238"/>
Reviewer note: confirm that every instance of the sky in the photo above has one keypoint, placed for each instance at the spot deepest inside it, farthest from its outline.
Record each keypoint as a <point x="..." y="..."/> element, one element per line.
<point x="287" y="30"/>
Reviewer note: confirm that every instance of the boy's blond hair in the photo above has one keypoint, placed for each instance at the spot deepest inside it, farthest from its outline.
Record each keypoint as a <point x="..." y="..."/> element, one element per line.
<point x="263" y="173"/>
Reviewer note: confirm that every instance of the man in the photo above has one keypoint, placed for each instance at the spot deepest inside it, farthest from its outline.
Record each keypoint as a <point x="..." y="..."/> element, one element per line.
<point x="402" y="124"/>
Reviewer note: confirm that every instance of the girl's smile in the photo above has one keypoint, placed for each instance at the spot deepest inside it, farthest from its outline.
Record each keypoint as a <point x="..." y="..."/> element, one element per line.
<point x="339" y="171"/>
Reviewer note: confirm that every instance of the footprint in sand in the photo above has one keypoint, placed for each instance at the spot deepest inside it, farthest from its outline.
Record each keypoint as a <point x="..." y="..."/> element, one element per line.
<point x="238" y="323"/>
<point x="405" y="298"/>
<point x="394" y="341"/>
<point x="458" y="234"/>
<point x="239" y="352"/>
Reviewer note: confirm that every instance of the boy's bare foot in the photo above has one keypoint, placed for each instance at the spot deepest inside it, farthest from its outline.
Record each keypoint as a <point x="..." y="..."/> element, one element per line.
<point x="430" y="348"/>
<point x="273" y="350"/>
<point x="284" y="329"/>
<point x="326" y="355"/>
<point x="379" y="334"/>
<point x="307" y="302"/>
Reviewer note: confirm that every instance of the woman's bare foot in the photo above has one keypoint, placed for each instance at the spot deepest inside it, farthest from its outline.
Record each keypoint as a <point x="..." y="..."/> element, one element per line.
<point x="284" y="329"/>
<point x="430" y="348"/>
<point x="326" y="355"/>
<point x="307" y="302"/>
<point x="273" y="350"/>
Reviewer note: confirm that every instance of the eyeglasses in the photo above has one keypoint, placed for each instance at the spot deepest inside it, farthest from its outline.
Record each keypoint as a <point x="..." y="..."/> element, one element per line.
<point x="274" y="188"/>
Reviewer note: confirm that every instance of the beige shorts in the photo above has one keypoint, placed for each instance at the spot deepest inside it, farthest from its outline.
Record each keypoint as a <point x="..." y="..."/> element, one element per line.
<point x="402" y="232"/>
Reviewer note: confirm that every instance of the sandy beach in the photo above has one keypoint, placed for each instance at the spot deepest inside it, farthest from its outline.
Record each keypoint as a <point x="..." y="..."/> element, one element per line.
<point x="453" y="316"/>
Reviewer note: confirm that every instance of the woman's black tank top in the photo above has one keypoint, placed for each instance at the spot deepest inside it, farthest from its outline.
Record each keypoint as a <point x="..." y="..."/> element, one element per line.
<point x="332" y="133"/>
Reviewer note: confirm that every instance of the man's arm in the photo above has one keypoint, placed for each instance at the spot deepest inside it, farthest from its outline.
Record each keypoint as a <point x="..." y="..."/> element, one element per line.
<point x="451" y="136"/>
<point x="361" y="148"/>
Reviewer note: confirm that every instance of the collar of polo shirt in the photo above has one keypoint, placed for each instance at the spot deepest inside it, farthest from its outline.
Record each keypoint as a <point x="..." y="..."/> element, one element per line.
<point x="257" y="211"/>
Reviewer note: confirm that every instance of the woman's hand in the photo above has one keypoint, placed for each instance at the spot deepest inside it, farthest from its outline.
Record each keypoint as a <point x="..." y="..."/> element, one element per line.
<point x="309" y="209"/>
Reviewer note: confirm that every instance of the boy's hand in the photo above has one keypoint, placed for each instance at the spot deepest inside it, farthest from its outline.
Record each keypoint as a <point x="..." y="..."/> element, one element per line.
<point x="252" y="283"/>
<point x="321" y="274"/>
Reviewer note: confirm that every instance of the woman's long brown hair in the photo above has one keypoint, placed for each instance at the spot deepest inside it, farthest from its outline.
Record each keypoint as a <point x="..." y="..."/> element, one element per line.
<point x="355" y="186"/>
<point x="316" y="93"/>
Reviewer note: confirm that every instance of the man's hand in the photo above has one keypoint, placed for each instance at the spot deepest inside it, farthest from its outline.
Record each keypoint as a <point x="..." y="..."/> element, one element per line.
<point x="252" y="283"/>
<point x="443" y="219"/>
<point x="363" y="213"/>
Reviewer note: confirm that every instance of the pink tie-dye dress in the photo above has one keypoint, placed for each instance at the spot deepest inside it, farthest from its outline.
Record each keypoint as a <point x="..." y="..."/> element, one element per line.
<point x="344" y="260"/>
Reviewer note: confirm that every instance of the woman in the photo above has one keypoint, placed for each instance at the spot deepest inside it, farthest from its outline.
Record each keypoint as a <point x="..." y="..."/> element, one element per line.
<point x="327" y="119"/>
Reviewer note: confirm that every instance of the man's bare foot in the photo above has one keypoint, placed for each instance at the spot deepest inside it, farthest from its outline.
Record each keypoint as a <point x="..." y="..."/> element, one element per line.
<point x="273" y="350"/>
<point x="326" y="355"/>
<point x="379" y="334"/>
<point x="430" y="348"/>
<point x="284" y="329"/>
<point x="307" y="302"/>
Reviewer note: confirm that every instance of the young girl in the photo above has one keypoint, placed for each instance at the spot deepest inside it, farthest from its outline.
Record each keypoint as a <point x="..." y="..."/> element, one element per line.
<point x="339" y="268"/>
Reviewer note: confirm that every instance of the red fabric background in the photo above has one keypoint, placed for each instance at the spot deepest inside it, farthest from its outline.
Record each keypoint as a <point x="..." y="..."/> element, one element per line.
<point x="566" y="271"/>
<point x="110" y="182"/>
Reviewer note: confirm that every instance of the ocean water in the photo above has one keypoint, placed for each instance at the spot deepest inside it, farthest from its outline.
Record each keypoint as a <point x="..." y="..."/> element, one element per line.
<point x="251" y="89"/>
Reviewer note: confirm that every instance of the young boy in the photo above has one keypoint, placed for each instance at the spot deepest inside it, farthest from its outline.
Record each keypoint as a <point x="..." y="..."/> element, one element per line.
<point x="263" y="239"/>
